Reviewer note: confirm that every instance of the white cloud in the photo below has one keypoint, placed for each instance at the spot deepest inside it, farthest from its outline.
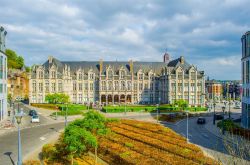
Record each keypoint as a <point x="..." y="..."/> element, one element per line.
<point x="208" y="35"/>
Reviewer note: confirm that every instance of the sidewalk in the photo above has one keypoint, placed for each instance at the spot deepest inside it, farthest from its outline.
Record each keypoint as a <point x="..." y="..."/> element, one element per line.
<point x="8" y="124"/>
<point x="209" y="126"/>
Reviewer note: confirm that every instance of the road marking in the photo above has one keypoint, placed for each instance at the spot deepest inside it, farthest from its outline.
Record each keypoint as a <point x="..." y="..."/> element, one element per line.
<point x="205" y="135"/>
<point x="39" y="113"/>
<point x="42" y="138"/>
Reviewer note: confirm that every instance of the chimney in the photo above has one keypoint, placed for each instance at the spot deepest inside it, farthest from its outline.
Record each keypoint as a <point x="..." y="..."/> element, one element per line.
<point x="131" y="66"/>
<point x="166" y="58"/>
<point x="182" y="60"/>
<point x="101" y="66"/>
<point x="50" y="59"/>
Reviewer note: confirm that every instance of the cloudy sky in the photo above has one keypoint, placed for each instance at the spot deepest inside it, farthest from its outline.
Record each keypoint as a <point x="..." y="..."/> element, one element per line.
<point x="206" y="33"/>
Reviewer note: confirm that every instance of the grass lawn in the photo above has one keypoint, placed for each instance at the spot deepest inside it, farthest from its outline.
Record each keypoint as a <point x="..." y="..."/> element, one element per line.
<point x="148" y="108"/>
<point x="70" y="112"/>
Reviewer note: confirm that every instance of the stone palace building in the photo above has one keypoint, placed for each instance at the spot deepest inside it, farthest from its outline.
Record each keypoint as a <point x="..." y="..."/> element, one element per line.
<point x="115" y="82"/>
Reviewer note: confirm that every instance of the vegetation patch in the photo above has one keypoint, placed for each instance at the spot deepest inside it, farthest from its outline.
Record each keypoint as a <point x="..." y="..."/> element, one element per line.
<point x="123" y="142"/>
<point x="233" y="128"/>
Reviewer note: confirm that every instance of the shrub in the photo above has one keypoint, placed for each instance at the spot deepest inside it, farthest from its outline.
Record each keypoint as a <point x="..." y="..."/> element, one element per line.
<point x="48" y="151"/>
<point x="32" y="162"/>
<point x="228" y="124"/>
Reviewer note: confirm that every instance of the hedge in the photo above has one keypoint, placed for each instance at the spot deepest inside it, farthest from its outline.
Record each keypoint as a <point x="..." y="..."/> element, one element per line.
<point x="53" y="106"/>
<point x="162" y="108"/>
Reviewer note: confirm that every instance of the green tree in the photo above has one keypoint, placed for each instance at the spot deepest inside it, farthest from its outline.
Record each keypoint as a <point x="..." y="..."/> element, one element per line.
<point x="181" y="103"/>
<point x="93" y="122"/>
<point x="57" y="98"/>
<point x="14" y="61"/>
<point x="78" y="140"/>
<point x="12" y="56"/>
<point x="20" y="62"/>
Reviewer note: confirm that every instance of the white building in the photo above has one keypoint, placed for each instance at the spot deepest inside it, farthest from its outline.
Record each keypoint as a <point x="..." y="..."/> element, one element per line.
<point x="3" y="75"/>
<point x="113" y="82"/>
<point x="245" y="60"/>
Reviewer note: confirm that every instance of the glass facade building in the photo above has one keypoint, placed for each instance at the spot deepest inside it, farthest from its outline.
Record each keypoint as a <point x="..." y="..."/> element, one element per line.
<point x="3" y="75"/>
<point x="245" y="70"/>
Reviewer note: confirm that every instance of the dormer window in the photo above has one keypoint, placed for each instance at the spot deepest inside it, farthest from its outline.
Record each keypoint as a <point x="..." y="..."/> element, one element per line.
<point x="122" y="74"/>
<point x="40" y="74"/>
<point x="80" y="76"/>
<point x="91" y="76"/>
<point x="110" y="74"/>
<point x="53" y="74"/>
<point x="140" y="76"/>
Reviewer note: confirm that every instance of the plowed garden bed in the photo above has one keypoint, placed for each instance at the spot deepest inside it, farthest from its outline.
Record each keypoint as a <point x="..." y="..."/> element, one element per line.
<point x="137" y="142"/>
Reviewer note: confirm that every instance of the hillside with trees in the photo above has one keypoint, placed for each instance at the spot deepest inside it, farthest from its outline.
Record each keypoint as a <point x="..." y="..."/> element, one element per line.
<point x="15" y="61"/>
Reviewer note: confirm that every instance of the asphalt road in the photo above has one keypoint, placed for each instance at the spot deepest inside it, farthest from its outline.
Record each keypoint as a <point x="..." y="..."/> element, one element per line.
<point x="32" y="138"/>
<point x="198" y="134"/>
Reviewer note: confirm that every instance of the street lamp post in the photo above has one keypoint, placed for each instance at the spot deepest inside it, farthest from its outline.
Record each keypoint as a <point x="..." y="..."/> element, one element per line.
<point x="157" y="109"/>
<point x="223" y="129"/>
<point x="66" y="115"/>
<point x="18" y="119"/>
<point x="187" y="126"/>
<point x="214" y="113"/>
<point x="229" y="112"/>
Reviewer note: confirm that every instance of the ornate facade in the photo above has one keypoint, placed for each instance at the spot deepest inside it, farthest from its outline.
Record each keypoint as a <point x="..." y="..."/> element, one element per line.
<point x="113" y="82"/>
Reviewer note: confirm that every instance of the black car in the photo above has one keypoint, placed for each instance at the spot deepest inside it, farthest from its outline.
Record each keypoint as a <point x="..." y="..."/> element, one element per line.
<point x="32" y="112"/>
<point x="201" y="120"/>
<point x="218" y="117"/>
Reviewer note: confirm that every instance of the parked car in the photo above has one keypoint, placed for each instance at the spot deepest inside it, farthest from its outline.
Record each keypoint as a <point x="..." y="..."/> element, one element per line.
<point x="35" y="119"/>
<point x="32" y="112"/>
<point x="237" y="107"/>
<point x="218" y="116"/>
<point x="201" y="120"/>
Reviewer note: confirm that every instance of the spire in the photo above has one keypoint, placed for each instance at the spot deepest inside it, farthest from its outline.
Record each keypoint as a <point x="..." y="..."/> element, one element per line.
<point x="166" y="57"/>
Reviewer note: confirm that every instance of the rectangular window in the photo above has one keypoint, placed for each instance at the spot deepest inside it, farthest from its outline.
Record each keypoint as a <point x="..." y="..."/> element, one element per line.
<point x="247" y="72"/>
<point x="47" y="86"/>
<point x="1" y="88"/>
<point x="86" y="86"/>
<point x="60" y="86"/>
<point x="179" y="87"/>
<point x="40" y="87"/>
<point x="192" y="87"/>
<point x="80" y="98"/>
<point x="140" y="86"/>
<point x="80" y="86"/>
<point x="135" y="86"/>
<point x="74" y="86"/>
<point x="53" y="87"/>
<point x="91" y="86"/>
<point x="1" y="67"/>
<point x="34" y="86"/>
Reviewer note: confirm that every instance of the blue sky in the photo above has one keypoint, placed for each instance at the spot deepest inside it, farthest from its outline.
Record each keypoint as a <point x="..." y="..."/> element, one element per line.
<point x="206" y="33"/>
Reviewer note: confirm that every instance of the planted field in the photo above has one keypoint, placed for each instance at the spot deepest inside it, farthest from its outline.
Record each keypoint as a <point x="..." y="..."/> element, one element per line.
<point x="136" y="142"/>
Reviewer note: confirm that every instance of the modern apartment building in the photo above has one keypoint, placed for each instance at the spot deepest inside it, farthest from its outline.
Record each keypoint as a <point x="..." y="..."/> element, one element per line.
<point x="245" y="60"/>
<point x="113" y="82"/>
<point x="214" y="90"/>
<point x="3" y="75"/>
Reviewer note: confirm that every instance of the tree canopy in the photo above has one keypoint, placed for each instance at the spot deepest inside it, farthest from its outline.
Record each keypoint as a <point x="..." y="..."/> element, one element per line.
<point x="14" y="61"/>
<point x="181" y="103"/>
<point x="57" y="98"/>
